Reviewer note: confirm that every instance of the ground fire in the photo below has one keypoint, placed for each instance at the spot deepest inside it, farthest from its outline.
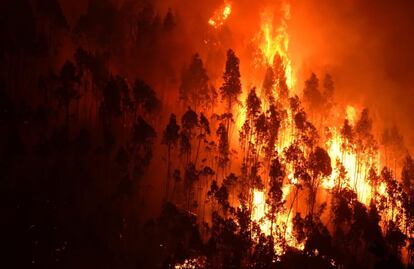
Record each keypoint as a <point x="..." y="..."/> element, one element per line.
<point x="169" y="134"/>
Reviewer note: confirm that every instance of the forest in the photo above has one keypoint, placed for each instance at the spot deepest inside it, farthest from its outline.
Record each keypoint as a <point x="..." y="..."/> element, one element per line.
<point x="129" y="141"/>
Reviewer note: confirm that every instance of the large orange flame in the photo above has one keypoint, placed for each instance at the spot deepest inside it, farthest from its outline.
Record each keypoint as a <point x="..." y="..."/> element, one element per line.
<point x="275" y="41"/>
<point x="356" y="170"/>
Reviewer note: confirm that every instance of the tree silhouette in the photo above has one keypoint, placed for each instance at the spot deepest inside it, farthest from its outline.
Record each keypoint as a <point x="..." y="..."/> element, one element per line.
<point x="223" y="146"/>
<point x="365" y="141"/>
<point x="185" y="145"/>
<point x="393" y="143"/>
<point x="312" y="94"/>
<point x="189" y="121"/>
<point x="231" y="182"/>
<point x="145" y="97"/>
<point x="294" y="104"/>
<point x="253" y="109"/>
<point x="407" y="178"/>
<point x="274" y="119"/>
<point x="253" y="104"/>
<point x="391" y="203"/>
<point x="320" y="166"/>
<point x="328" y="91"/>
<point x="395" y="238"/>
<point x="143" y="136"/>
<point x="203" y="133"/>
<point x="170" y="139"/>
<point x="275" y="196"/>
<point x="194" y="88"/>
<point x="220" y="194"/>
<point x="374" y="179"/>
<point x="347" y="133"/>
<point x="307" y="134"/>
<point x="231" y="88"/>
<point x="263" y="255"/>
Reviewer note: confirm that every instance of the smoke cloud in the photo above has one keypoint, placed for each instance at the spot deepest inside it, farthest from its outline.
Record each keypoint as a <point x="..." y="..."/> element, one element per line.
<point x="367" y="46"/>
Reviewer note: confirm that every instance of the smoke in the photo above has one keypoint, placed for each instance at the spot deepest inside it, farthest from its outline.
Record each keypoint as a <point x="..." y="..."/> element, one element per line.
<point x="367" y="46"/>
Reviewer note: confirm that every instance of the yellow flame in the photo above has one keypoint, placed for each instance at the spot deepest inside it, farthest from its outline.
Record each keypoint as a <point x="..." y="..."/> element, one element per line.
<point x="220" y="15"/>
<point x="258" y="198"/>
<point x="356" y="165"/>
<point x="275" y="41"/>
<point x="197" y="262"/>
<point x="283" y="219"/>
<point x="351" y="114"/>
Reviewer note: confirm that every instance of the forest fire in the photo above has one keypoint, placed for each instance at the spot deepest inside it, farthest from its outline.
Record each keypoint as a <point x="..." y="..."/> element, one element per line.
<point x="146" y="134"/>
<point x="220" y="15"/>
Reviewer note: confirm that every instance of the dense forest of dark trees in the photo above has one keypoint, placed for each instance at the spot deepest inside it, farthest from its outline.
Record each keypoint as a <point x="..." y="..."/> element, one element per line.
<point x="86" y="144"/>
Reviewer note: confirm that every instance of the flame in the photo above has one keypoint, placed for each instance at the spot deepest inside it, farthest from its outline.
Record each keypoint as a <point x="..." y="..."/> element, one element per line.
<point x="351" y="114"/>
<point x="259" y="210"/>
<point x="292" y="178"/>
<point x="220" y="15"/>
<point x="275" y="41"/>
<point x="197" y="262"/>
<point x="357" y="170"/>
<point x="258" y="198"/>
<point x="283" y="220"/>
